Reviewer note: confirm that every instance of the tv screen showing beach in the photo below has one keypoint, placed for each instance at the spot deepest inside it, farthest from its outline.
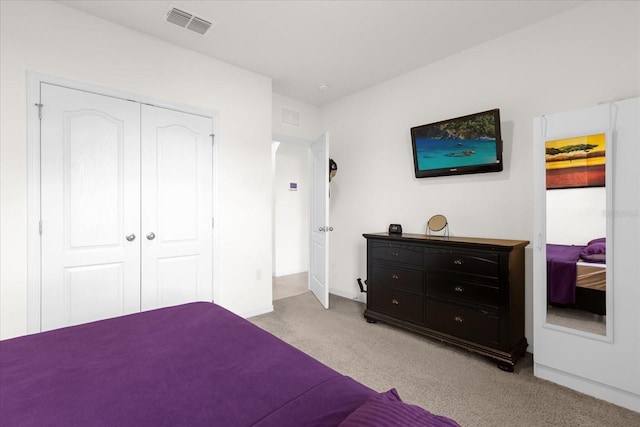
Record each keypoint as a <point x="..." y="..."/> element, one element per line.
<point x="458" y="145"/>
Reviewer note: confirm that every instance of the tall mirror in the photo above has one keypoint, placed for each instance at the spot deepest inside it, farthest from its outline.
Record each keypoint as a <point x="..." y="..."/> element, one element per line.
<point x="576" y="228"/>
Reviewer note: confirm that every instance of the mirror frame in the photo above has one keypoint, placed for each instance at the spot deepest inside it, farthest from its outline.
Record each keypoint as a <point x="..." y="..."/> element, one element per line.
<point x="542" y="237"/>
<point x="437" y="222"/>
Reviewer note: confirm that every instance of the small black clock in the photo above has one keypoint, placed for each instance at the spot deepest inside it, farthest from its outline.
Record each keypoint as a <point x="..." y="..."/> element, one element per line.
<point x="395" y="229"/>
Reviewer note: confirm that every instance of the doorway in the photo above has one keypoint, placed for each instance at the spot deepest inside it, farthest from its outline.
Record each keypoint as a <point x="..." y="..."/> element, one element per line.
<point x="291" y="193"/>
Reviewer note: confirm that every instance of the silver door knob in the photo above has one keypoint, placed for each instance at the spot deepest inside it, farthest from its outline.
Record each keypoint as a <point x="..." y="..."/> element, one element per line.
<point x="131" y="237"/>
<point x="151" y="236"/>
<point x="321" y="229"/>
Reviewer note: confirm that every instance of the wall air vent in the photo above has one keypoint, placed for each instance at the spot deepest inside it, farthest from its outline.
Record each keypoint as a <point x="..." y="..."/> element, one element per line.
<point x="188" y="20"/>
<point x="290" y="117"/>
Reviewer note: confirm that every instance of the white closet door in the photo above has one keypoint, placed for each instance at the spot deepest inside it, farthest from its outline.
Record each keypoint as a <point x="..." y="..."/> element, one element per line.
<point x="90" y="201"/>
<point x="177" y="180"/>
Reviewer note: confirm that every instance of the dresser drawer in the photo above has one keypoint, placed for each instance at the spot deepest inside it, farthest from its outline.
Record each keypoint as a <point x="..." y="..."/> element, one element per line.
<point x="401" y="278"/>
<point x="474" y="325"/>
<point x="395" y="252"/>
<point x="486" y="264"/>
<point x="462" y="291"/>
<point x="396" y="303"/>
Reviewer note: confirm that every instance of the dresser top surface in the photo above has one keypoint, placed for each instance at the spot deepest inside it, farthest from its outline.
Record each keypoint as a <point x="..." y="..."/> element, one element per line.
<point x="448" y="240"/>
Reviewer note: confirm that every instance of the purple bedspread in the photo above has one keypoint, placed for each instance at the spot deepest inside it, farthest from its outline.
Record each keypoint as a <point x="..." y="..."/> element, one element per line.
<point x="190" y="365"/>
<point x="561" y="273"/>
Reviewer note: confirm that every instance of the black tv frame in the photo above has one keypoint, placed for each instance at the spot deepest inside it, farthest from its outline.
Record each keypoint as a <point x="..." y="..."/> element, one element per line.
<point x="496" y="166"/>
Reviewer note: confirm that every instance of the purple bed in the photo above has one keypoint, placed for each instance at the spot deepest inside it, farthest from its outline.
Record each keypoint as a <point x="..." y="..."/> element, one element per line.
<point x="562" y="268"/>
<point x="561" y="272"/>
<point x="190" y="365"/>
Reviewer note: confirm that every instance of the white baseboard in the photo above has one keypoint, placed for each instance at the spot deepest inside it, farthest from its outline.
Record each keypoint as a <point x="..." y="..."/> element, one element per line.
<point x="258" y="312"/>
<point x="289" y="272"/>
<point x="349" y="295"/>
<point x="601" y="391"/>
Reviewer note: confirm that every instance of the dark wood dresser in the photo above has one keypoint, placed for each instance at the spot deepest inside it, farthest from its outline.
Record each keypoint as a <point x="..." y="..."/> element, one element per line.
<point x="464" y="291"/>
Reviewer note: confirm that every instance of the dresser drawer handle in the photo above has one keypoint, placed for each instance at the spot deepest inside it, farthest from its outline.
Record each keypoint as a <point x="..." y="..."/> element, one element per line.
<point x="458" y="319"/>
<point x="394" y="301"/>
<point x="394" y="253"/>
<point x="458" y="289"/>
<point x="458" y="261"/>
<point x="395" y="277"/>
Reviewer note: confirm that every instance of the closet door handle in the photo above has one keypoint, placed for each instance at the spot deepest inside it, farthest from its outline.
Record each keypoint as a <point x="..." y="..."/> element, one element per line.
<point x="131" y="237"/>
<point x="151" y="236"/>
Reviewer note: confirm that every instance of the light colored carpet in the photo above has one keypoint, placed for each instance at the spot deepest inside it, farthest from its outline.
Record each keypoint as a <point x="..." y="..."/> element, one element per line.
<point x="577" y="319"/>
<point x="290" y="285"/>
<point x="439" y="377"/>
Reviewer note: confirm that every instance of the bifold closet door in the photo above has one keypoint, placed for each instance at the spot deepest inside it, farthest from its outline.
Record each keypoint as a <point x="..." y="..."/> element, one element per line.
<point x="90" y="203"/>
<point x="177" y="189"/>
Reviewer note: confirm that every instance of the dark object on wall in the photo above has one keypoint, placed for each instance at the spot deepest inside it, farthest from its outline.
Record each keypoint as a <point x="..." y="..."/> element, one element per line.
<point x="333" y="169"/>
<point x="464" y="145"/>
<point x="464" y="291"/>
<point x="395" y="228"/>
<point x="362" y="289"/>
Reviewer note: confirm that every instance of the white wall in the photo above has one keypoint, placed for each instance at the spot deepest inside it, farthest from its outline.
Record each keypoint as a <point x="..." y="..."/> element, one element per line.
<point x="586" y="55"/>
<point x="309" y="126"/>
<point x="291" y="216"/>
<point x="576" y="215"/>
<point x="53" y="39"/>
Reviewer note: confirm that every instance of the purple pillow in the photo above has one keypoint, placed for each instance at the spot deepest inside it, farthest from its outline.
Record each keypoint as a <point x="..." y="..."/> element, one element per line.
<point x="388" y="410"/>
<point x="595" y="258"/>
<point x="598" y="240"/>
<point x="595" y="248"/>
<point x="595" y="251"/>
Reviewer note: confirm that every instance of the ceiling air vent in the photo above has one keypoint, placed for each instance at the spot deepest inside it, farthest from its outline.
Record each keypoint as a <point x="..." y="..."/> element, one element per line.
<point x="188" y="20"/>
<point x="199" y="25"/>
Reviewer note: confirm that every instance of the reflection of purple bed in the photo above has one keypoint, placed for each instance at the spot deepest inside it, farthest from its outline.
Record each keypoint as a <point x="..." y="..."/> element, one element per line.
<point x="194" y="364"/>
<point x="561" y="272"/>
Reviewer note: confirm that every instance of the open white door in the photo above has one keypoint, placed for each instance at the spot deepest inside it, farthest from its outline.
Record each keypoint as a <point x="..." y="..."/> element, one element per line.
<point x="319" y="221"/>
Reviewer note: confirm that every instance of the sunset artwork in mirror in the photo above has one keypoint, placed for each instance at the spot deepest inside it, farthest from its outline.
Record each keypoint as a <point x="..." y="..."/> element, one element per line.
<point x="576" y="162"/>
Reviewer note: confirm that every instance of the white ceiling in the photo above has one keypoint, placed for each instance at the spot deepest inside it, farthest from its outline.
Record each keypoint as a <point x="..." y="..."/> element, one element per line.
<point x="347" y="45"/>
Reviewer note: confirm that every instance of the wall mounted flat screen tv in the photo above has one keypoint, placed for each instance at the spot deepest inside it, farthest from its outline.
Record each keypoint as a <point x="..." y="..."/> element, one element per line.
<point x="467" y="144"/>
